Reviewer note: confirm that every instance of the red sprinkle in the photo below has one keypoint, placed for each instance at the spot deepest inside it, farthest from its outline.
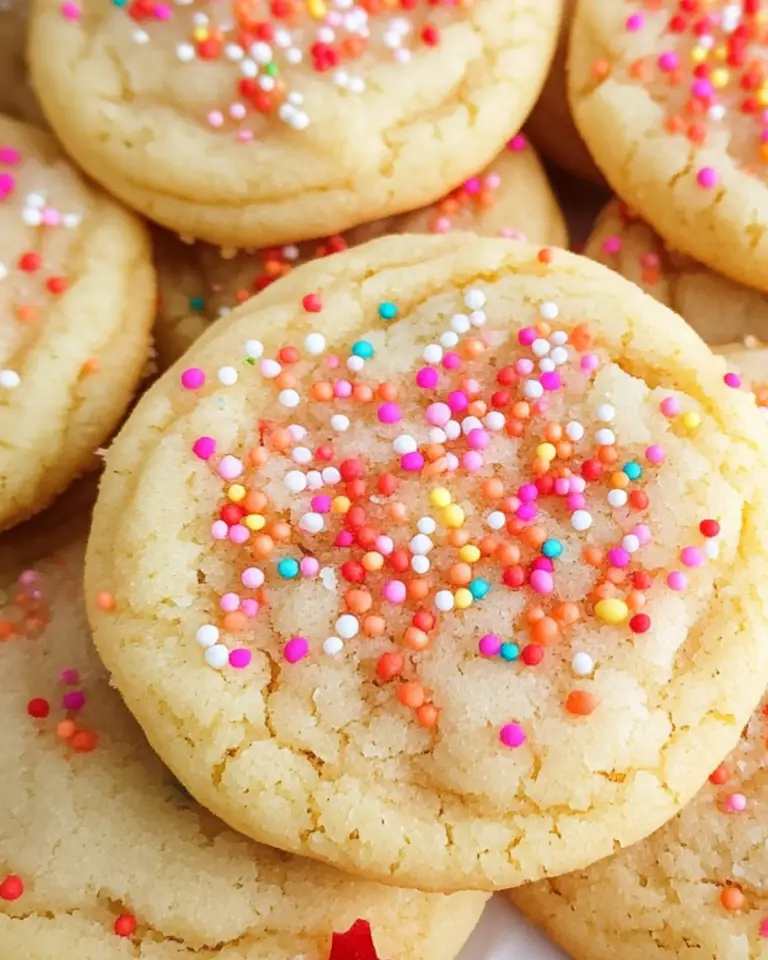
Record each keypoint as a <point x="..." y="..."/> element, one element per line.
<point x="11" y="888"/>
<point x="38" y="708"/>
<point x="312" y="303"/>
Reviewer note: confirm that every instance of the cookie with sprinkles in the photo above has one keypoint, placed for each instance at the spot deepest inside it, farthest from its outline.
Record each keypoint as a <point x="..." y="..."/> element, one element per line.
<point x="720" y="310"/>
<point x="77" y="294"/>
<point x="200" y="283"/>
<point x="103" y="855"/>
<point x="16" y="96"/>
<point x="671" y="97"/>
<point x="441" y="560"/>
<point x="550" y="124"/>
<point x="250" y="123"/>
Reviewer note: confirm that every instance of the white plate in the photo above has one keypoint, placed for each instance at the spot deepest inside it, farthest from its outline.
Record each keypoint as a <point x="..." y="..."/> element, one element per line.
<point x="503" y="934"/>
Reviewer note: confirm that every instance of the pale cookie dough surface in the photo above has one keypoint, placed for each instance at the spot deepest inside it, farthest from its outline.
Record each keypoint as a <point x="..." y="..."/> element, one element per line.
<point x="16" y="96"/>
<point x="433" y="98"/>
<point x="353" y="629"/>
<point x="720" y="310"/>
<point x="76" y="306"/>
<point x="96" y="829"/>
<point x="686" y="150"/>
<point x="550" y="124"/>
<point x="200" y="283"/>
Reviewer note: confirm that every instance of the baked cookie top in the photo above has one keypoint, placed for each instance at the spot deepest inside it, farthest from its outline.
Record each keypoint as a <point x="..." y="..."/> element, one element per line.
<point x="295" y="118"/>
<point x="719" y="309"/>
<point x="440" y="561"/>
<point x="697" y="886"/>
<point x="76" y="306"/>
<point x="671" y="97"/>
<point x="16" y="97"/>
<point x="103" y="852"/>
<point x="200" y="283"/>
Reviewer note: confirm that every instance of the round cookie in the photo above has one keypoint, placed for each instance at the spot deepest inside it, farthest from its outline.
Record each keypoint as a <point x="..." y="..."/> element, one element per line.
<point x="550" y="124"/>
<point x="76" y="306"/>
<point x="462" y="590"/>
<point x="16" y="96"/>
<point x="103" y="855"/>
<point x="324" y="115"/>
<point x="668" y="97"/>
<point x="720" y="310"/>
<point x="199" y="284"/>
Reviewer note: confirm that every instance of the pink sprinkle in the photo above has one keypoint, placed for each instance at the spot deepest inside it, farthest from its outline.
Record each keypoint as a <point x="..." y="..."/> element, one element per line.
<point x="70" y="11"/>
<point x="204" y="448"/>
<point x="512" y="735"/>
<point x="239" y="658"/>
<point x="162" y="11"/>
<point x="524" y="367"/>
<point x="249" y="607"/>
<point x="575" y="501"/>
<point x="472" y="461"/>
<point x="413" y="462"/>
<point x="427" y="378"/>
<point x="229" y="602"/>
<point x="542" y="582"/>
<point x="219" y="530"/>
<point x="51" y="217"/>
<point x="493" y="181"/>
<point x="244" y="136"/>
<point x="9" y="156"/>
<point x="527" y="335"/>
<point x="677" y="580"/>
<point x="394" y="591"/>
<point x="451" y="361"/>
<point x="7" y="183"/>
<point x="612" y="245"/>
<point x="437" y="414"/>
<point x="73" y="700"/>
<point x="526" y="512"/>
<point x="589" y="362"/>
<point x="707" y="177"/>
<point x="389" y="413"/>
<point x="69" y="677"/>
<point x="215" y="118"/>
<point x="764" y="927"/>
<point x="193" y="378"/>
<point x="344" y="538"/>
<point x="691" y="557"/>
<point x="478" y="439"/>
<point x="489" y="645"/>
<point x="528" y="492"/>
<point x="618" y="557"/>
<point x="543" y="563"/>
<point x="735" y="802"/>
<point x="321" y="504"/>
<point x="635" y="22"/>
<point x="458" y="401"/>
<point x="309" y="567"/>
<point x="384" y="545"/>
<point x="550" y="380"/>
<point x="732" y="380"/>
<point x="578" y="484"/>
<point x="252" y="577"/>
<point x="296" y="649"/>
<point x="342" y="389"/>
<point x="518" y="142"/>
<point x="670" y="406"/>
<point x="655" y="453"/>
<point x="442" y="225"/>
<point x="643" y="532"/>
<point x="562" y="486"/>
<point x="239" y="533"/>
<point x="472" y="185"/>
<point x="230" y="467"/>
<point x="668" y="61"/>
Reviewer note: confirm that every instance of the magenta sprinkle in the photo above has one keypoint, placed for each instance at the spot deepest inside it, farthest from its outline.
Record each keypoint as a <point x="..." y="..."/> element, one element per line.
<point x="389" y="413"/>
<point x="192" y="378"/>
<point x="427" y="378"/>
<point x="551" y="380"/>
<point x="69" y="677"/>
<point x="489" y="645"/>
<point x="413" y="461"/>
<point x="204" y="448"/>
<point x="612" y="245"/>
<point x="707" y="177"/>
<point x="73" y="700"/>
<point x="512" y="735"/>
<point x="732" y="380"/>
<point x="240" y="658"/>
<point x="296" y="649"/>
<point x="518" y="142"/>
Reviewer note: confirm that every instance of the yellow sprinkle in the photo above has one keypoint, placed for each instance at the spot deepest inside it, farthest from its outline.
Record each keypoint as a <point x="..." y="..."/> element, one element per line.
<point x="254" y="521"/>
<point x="611" y="611"/>
<point x="762" y="96"/>
<point x="469" y="553"/>
<point x="340" y="504"/>
<point x="546" y="451"/>
<point x="440" y="497"/>
<point x="453" y="516"/>
<point x="690" y="420"/>
<point x="719" y="78"/>
<point x="462" y="598"/>
<point x="720" y="52"/>
<point x="236" y="492"/>
<point x="200" y="33"/>
<point x="373" y="561"/>
<point x="698" y="54"/>
<point x="316" y="9"/>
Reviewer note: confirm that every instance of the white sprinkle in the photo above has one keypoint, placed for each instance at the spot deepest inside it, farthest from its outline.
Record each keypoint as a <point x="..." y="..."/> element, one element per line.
<point x="711" y="549"/>
<point x="314" y="344"/>
<point x="289" y="398"/>
<point x="420" y="545"/>
<point x="355" y="364"/>
<point x="312" y="522"/>
<point x="248" y="68"/>
<point x="549" y="310"/>
<point x="574" y="430"/>
<point x="496" y="520"/>
<point x="404" y="444"/>
<point x="494" y="420"/>
<point x="234" y="52"/>
<point x="71" y="220"/>
<point x="185" y="52"/>
<point x="460" y="323"/>
<point x="449" y="339"/>
<point x="207" y="635"/>
<point x="451" y="462"/>
<point x="270" y="369"/>
<point x="533" y="389"/>
<point x="35" y="200"/>
<point x="328" y="578"/>
<point x="433" y="353"/>
<point x="333" y="646"/>
<point x="581" y="520"/>
<point x="605" y="437"/>
<point x="339" y="422"/>
<point x="301" y="455"/>
<point x="261" y="53"/>
<point x="254" y="349"/>
<point x="546" y="365"/>
<point x="540" y="347"/>
<point x="297" y="432"/>
<point x="347" y="626"/>
<point x="631" y="543"/>
<point x="31" y="216"/>
<point x="438" y="435"/>
<point x="478" y="318"/>
<point x="9" y="379"/>
<point x="227" y="376"/>
<point x="475" y="299"/>
<point x="468" y="424"/>
<point x="217" y="656"/>
<point x="452" y="430"/>
<point x="314" y="479"/>
<point x="385" y="545"/>
<point x="559" y="356"/>
<point x="582" y="664"/>
<point x="331" y="476"/>
<point x="444" y="600"/>
<point x="559" y="338"/>
<point x="295" y="481"/>
<point x="140" y="36"/>
<point x="605" y="412"/>
<point x="617" y="498"/>
<point x="420" y="564"/>
<point x="426" y="525"/>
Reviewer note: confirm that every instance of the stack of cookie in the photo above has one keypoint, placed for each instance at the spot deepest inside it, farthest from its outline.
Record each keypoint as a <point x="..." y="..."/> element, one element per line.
<point x="429" y="565"/>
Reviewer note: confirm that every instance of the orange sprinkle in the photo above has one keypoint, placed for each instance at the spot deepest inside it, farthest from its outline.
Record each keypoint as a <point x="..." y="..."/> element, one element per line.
<point x="234" y="621"/>
<point x="544" y="255"/>
<point x="6" y="630"/>
<point x="508" y="554"/>
<point x="257" y="456"/>
<point x="322" y="391"/>
<point x="280" y="530"/>
<point x="374" y="626"/>
<point x="457" y="538"/>
<point x="263" y="545"/>
<point x="553" y="432"/>
<point x="389" y="665"/>
<point x="418" y="589"/>
<point x="397" y="511"/>
<point x="567" y="613"/>
<point x="534" y="536"/>
<point x="411" y="694"/>
<point x="601" y="68"/>
<point x="635" y="600"/>
<point x="285" y="380"/>
<point x="493" y="488"/>
<point x="580" y="703"/>
<point x="545" y="631"/>
<point x="105" y="601"/>
<point x="473" y="348"/>
<point x="415" y="639"/>
<point x="91" y="366"/>
<point x="66" y="729"/>
<point x="594" y="556"/>
<point x="607" y="455"/>
<point x="581" y="337"/>
<point x="427" y="715"/>
<point x="387" y="391"/>
<point x="460" y="574"/>
<point x="280" y="440"/>
<point x="84" y="741"/>
<point x="362" y="393"/>
<point x="255" y="502"/>
<point x="732" y="898"/>
<point x="358" y="601"/>
<point x="488" y="546"/>
<point x="532" y="614"/>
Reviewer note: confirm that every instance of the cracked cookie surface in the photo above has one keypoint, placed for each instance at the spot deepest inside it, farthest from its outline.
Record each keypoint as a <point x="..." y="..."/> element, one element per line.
<point x="441" y="560"/>
<point x="102" y="853"/>
<point x="720" y="310"/>
<point x="76" y="306"/>
<point x="200" y="283"/>
<point x="294" y="119"/>
<point x="669" y="98"/>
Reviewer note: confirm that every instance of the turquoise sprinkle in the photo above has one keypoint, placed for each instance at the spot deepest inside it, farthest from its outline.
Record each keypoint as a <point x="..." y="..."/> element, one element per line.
<point x="387" y="310"/>
<point x="363" y="349"/>
<point x="479" y="588"/>
<point x="633" y="470"/>
<point x="288" y="568"/>
<point x="197" y="303"/>
<point x="509" y="651"/>
<point x="552" y="549"/>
